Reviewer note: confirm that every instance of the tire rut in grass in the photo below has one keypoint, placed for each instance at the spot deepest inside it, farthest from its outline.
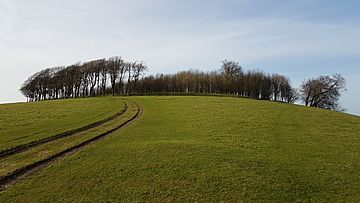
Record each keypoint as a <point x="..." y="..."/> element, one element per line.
<point x="27" y="146"/>
<point x="21" y="173"/>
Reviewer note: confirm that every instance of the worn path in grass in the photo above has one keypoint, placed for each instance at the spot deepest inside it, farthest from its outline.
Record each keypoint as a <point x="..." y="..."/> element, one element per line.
<point x="19" y="166"/>
<point x="24" y="123"/>
<point x="30" y="145"/>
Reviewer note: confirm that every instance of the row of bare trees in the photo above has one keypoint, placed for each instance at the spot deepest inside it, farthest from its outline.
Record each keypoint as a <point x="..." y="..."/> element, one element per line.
<point x="93" y="78"/>
<point x="229" y="79"/>
<point x="84" y="79"/>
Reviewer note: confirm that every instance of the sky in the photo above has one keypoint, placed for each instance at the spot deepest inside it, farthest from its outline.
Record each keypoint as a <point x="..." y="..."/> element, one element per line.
<point x="300" y="39"/>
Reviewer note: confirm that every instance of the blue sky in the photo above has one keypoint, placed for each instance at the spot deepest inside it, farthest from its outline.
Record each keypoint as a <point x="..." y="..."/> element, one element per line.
<point x="300" y="39"/>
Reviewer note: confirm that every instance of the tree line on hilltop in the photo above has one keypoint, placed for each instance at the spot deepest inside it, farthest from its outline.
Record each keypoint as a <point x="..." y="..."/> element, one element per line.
<point x="231" y="78"/>
<point x="116" y="76"/>
<point x="84" y="79"/>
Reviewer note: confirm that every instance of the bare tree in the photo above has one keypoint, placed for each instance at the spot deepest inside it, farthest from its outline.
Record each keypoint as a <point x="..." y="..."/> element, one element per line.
<point x="129" y="69"/>
<point x="115" y="68"/>
<point x="266" y="87"/>
<point x="275" y="85"/>
<point x="323" y="92"/>
<point x="230" y="71"/>
<point x="290" y="94"/>
<point x="138" y="70"/>
<point x="84" y="79"/>
<point x="102" y="66"/>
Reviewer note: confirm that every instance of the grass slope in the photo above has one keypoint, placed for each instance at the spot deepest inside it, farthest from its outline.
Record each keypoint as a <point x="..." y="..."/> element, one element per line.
<point x="25" y="122"/>
<point x="13" y="162"/>
<point x="210" y="149"/>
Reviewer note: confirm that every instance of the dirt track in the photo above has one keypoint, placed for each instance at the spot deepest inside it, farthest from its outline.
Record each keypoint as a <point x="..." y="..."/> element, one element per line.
<point x="21" y="173"/>
<point x="27" y="146"/>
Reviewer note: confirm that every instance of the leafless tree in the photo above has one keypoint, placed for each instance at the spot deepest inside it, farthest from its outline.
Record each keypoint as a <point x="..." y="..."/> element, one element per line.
<point x="323" y="92"/>
<point x="114" y="65"/>
<point x="138" y="70"/>
<point x="102" y="65"/>
<point x="230" y="71"/>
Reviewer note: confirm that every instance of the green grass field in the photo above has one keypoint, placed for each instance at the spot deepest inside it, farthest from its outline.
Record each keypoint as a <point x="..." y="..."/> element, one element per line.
<point x="204" y="149"/>
<point x="11" y="163"/>
<point x="25" y="122"/>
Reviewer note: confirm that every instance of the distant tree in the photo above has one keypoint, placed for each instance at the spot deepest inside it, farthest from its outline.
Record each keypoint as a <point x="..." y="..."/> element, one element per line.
<point x="276" y="80"/>
<point x="230" y="72"/>
<point x="255" y="79"/>
<point x="114" y="64"/>
<point x="138" y="70"/>
<point x="266" y="87"/>
<point x="129" y="69"/>
<point x="104" y="69"/>
<point x="92" y="76"/>
<point x="122" y="71"/>
<point x="290" y="94"/>
<point x="84" y="79"/>
<point x="28" y="88"/>
<point x="323" y="92"/>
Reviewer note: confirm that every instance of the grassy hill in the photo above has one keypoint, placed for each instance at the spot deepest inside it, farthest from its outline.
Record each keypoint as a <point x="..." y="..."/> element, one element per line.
<point x="25" y="122"/>
<point x="208" y="149"/>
